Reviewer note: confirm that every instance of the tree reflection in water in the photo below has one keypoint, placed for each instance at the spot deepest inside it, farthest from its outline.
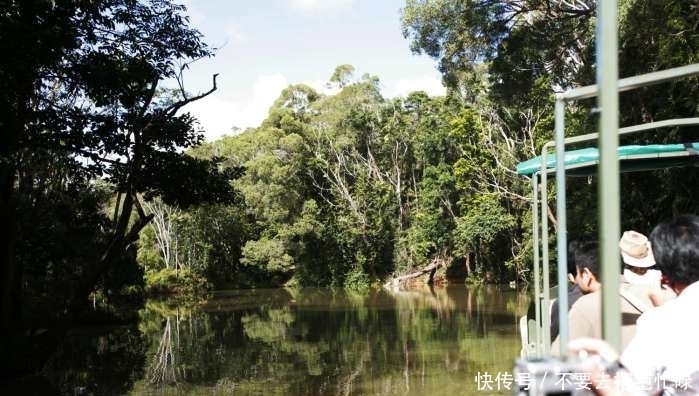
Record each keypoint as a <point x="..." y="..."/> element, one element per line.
<point x="162" y="370"/>
<point x="321" y="342"/>
<point x="97" y="362"/>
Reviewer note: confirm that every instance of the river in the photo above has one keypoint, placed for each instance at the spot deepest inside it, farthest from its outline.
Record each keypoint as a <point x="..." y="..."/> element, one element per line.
<point x="437" y="341"/>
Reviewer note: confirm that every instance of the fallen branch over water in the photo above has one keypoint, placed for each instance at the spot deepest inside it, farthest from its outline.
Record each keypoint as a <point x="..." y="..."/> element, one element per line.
<point x="431" y="268"/>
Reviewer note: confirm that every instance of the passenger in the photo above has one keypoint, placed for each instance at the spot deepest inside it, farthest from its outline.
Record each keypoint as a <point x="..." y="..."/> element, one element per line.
<point x="664" y="352"/>
<point x="666" y="344"/>
<point x="584" y="317"/>
<point x="586" y="261"/>
<point x="638" y="259"/>
<point x="575" y="255"/>
<point x="637" y="256"/>
<point x="640" y="284"/>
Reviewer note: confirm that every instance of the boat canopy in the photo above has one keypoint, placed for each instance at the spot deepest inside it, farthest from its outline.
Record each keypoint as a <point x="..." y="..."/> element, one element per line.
<point x="583" y="162"/>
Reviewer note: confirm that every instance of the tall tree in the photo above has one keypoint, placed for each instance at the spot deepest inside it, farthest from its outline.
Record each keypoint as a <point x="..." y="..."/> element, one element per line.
<point x="525" y="39"/>
<point x="342" y="76"/>
<point x="36" y="35"/>
<point x="528" y="49"/>
<point x="89" y="88"/>
<point x="164" y="228"/>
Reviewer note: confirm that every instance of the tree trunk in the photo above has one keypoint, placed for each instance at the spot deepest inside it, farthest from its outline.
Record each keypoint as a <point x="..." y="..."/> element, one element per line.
<point x="431" y="268"/>
<point x="13" y="121"/>
<point x="162" y="369"/>
<point x="9" y="284"/>
<point x="121" y="239"/>
<point x="430" y="280"/>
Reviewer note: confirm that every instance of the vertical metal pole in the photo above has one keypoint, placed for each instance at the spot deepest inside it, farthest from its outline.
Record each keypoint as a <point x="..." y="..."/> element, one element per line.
<point x="537" y="274"/>
<point x="609" y="213"/>
<point x="562" y="230"/>
<point x="544" y="298"/>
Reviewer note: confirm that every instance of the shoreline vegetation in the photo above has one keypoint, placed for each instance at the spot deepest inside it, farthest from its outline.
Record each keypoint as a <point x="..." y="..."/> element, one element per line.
<point x="108" y="191"/>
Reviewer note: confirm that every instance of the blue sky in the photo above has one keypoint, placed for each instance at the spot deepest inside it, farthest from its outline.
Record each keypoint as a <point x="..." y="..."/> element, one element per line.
<point x="265" y="45"/>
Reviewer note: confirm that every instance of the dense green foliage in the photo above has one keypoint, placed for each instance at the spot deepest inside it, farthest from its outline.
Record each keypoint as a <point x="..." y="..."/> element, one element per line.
<point x="347" y="189"/>
<point x="351" y="188"/>
<point x="88" y="137"/>
<point x="531" y="49"/>
<point x="105" y="183"/>
<point x="107" y="192"/>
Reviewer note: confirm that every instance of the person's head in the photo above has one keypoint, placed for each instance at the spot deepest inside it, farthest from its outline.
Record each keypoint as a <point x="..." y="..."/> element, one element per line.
<point x="583" y="263"/>
<point x="636" y="252"/>
<point x="573" y="248"/>
<point x="676" y="249"/>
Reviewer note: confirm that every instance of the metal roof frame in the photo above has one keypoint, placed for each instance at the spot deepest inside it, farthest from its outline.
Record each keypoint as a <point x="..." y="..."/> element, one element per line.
<point x="539" y="180"/>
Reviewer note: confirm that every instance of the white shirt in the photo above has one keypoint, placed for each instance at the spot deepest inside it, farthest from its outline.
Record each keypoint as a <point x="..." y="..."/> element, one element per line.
<point x="666" y="340"/>
<point x="651" y="277"/>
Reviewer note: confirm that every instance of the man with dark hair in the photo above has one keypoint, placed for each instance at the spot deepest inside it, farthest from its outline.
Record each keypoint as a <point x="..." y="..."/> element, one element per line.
<point x="576" y="254"/>
<point x="663" y="357"/>
<point x="583" y="262"/>
<point x="587" y="270"/>
<point x="665" y="345"/>
<point x="584" y="317"/>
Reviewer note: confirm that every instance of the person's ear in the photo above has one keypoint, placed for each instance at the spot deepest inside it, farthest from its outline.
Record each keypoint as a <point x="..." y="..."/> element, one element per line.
<point x="587" y="276"/>
<point x="664" y="281"/>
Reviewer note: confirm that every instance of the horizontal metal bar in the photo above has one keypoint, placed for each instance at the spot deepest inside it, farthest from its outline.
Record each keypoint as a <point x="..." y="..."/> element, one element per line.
<point x="631" y="129"/>
<point x="629" y="83"/>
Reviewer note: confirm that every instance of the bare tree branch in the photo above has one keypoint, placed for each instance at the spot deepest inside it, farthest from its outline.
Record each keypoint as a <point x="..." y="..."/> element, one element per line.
<point x="175" y="107"/>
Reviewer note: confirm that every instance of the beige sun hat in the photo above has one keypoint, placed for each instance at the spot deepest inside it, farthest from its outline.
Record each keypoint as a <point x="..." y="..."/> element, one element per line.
<point x="636" y="250"/>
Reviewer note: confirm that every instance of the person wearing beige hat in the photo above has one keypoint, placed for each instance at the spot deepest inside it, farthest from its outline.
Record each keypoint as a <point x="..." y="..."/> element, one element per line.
<point x="663" y="356"/>
<point x="640" y="278"/>
<point x="639" y="290"/>
<point x="585" y="314"/>
<point x="637" y="255"/>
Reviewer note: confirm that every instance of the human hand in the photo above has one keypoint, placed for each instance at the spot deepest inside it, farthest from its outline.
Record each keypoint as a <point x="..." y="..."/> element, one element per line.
<point x="600" y="361"/>
<point x="661" y="291"/>
<point x="583" y="347"/>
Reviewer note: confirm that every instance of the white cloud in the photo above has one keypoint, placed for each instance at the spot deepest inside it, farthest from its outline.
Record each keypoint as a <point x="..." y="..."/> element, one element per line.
<point x="430" y="84"/>
<point x="235" y="33"/>
<point x="264" y="92"/>
<point x="319" y="4"/>
<point x="210" y="112"/>
<point x="218" y="115"/>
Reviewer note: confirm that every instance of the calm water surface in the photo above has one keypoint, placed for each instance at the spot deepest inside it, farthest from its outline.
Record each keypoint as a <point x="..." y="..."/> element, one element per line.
<point x="306" y="342"/>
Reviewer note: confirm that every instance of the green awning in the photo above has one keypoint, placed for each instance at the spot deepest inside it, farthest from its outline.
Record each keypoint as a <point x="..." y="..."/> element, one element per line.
<point x="584" y="162"/>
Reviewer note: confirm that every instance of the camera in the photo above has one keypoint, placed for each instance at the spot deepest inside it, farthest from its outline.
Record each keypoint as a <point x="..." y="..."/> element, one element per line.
<point x="550" y="377"/>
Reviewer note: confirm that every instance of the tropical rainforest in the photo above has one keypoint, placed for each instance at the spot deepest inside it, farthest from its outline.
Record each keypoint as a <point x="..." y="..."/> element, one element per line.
<point x="109" y="192"/>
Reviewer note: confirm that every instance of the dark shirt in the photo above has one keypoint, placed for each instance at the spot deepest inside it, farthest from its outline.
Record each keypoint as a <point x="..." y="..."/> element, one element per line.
<point x="573" y="294"/>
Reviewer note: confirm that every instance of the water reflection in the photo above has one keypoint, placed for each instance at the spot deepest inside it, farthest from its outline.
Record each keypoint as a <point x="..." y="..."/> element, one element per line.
<point x="320" y="342"/>
<point x="95" y="362"/>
